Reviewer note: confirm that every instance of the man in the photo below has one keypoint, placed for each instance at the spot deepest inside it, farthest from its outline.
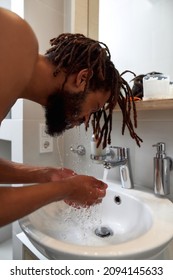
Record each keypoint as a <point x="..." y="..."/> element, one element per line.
<point x="72" y="81"/>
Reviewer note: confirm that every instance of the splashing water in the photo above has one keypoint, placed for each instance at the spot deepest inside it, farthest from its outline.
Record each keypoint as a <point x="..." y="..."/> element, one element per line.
<point x="105" y="174"/>
<point x="77" y="226"/>
<point x="73" y="225"/>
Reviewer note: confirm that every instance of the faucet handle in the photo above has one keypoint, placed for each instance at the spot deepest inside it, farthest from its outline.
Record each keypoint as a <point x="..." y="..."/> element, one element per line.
<point x="80" y="150"/>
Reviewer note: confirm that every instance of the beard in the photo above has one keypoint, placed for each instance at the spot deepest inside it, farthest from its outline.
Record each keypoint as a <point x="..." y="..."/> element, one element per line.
<point x="62" y="111"/>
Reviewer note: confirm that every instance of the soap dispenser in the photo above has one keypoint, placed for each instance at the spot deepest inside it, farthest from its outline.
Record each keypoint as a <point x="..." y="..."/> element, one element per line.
<point x="162" y="167"/>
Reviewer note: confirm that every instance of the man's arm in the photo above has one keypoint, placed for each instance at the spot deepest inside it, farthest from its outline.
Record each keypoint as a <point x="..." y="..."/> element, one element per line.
<point x="17" y="202"/>
<point x="17" y="173"/>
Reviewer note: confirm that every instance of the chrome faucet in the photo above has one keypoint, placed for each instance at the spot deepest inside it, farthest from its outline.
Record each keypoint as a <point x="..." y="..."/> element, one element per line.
<point x="162" y="168"/>
<point x="122" y="159"/>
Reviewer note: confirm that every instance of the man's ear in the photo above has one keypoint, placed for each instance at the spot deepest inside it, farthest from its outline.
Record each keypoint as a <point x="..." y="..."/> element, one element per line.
<point x="82" y="77"/>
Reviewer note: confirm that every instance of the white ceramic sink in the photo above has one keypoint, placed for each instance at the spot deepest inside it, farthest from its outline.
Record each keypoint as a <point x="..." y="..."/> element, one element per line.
<point x="128" y="224"/>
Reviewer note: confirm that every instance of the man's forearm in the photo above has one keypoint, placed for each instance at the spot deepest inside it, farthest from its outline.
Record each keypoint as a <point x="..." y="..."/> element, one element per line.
<point x="17" y="202"/>
<point x="16" y="173"/>
<point x="81" y="190"/>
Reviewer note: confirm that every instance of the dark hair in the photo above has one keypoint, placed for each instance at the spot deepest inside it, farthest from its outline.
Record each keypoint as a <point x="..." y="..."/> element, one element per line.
<point x="75" y="52"/>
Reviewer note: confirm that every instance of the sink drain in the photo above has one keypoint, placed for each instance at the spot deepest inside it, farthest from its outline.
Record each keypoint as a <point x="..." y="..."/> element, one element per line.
<point x="103" y="232"/>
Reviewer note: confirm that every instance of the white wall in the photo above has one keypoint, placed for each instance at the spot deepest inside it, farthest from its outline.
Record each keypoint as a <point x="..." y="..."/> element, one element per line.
<point x="46" y="17"/>
<point x="138" y="34"/>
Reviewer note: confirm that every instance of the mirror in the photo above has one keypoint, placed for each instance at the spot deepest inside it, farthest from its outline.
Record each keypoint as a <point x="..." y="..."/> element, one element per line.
<point x="138" y="34"/>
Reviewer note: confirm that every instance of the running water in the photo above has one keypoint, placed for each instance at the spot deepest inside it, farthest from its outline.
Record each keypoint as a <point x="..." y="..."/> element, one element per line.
<point x="105" y="174"/>
<point x="60" y="138"/>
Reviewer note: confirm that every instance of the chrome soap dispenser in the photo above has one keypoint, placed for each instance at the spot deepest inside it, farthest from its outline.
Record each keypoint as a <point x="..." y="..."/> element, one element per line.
<point x="162" y="167"/>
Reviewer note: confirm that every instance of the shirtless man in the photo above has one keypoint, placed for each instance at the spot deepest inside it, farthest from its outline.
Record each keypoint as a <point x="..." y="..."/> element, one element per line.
<point x="71" y="89"/>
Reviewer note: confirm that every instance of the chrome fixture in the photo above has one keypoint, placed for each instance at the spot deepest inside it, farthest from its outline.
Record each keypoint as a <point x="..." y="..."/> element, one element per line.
<point x="162" y="168"/>
<point x="80" y="150"/>
<point x="122" y="159"/>
<point x="100" y="158"/>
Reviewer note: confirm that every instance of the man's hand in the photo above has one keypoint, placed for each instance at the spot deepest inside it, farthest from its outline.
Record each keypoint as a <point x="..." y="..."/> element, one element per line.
<point x="86" y="191"/>
<point x="56" y="174"/>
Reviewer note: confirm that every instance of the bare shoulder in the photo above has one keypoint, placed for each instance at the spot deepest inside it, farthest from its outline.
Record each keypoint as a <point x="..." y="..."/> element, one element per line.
<point x="18" y="53"/>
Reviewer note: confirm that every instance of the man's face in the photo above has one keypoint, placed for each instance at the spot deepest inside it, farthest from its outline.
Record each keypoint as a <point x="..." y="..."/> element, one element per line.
<point x="64" y="109"/>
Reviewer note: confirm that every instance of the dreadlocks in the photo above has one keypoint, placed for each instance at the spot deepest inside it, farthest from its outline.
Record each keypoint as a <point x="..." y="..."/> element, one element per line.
<point x="75" y="52"/>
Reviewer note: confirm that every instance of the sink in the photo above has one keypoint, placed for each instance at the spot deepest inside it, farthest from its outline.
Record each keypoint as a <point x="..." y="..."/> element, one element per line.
<point x="128" y="224"/>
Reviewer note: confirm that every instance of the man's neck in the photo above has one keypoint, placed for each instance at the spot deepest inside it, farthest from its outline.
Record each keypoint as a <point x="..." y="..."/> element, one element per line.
<point x="42" y="83"/>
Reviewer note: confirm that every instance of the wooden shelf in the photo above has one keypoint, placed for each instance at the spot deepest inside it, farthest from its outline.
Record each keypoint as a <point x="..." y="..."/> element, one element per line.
<point x="162" y="104"/>
<point x="151" y="105"/>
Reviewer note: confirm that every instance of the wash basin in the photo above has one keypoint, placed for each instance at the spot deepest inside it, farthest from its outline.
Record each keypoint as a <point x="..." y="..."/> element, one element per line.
<point x="128" y="224"/>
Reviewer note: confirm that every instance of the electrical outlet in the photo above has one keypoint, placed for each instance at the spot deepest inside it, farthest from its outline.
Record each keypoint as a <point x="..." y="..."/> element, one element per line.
<point x="46" y="141"/>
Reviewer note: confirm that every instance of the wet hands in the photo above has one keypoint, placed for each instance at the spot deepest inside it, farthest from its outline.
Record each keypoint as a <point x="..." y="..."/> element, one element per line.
<point x="85" y="191"/>
<point x="60" y="173"/>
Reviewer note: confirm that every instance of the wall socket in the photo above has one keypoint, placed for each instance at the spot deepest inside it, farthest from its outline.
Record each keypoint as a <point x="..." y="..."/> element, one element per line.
<point x="46" y="141"/>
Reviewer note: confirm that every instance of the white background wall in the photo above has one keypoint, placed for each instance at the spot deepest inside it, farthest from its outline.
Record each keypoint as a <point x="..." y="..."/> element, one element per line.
<point x="46" y="17"/>
<point x="138" y="34"/>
